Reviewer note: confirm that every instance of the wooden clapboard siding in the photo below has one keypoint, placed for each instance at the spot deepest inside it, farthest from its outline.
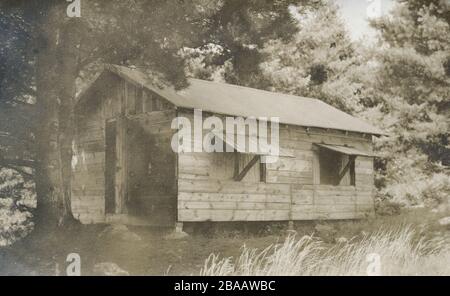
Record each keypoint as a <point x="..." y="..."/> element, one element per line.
<point x="297" y="170"/>
<point x="223" y="200"/>
<point x="234" y="197"/>
<point x="198" y="215"/>
<point x="226" y="186"/>
<point x="364" y="171"/>
<point x="207" y="193"/>
<point x="215" y="166"/>
<point x="330" y="202"/>
<point x="299" y="138"/>
<point x="203" y="200"/>
<point x="233" y="205"/>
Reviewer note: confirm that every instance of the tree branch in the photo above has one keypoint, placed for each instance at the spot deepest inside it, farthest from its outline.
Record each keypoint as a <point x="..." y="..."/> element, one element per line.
<point x="19" y="170"/>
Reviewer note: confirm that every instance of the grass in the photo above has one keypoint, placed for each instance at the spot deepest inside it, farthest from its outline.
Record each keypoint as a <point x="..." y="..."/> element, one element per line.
<point x="400" y="252"/>
<point x="410" y="243"/>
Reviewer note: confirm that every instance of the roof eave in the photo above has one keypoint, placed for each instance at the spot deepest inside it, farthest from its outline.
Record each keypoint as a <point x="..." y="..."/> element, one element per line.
<point x="115" y="70"/>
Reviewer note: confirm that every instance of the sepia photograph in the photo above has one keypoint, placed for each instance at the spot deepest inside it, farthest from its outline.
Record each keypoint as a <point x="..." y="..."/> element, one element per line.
<point x="194" y="140"/>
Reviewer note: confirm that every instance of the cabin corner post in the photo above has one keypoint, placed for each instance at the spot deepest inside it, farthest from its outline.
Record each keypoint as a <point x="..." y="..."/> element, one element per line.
<point x="177" y="172"/>
<point x="179" y="227"/>
<point x="291" y="205"/>
<point x="291" y="226"/>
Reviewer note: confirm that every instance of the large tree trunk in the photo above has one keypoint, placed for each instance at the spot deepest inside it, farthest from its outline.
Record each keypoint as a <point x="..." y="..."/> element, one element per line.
<point x="55" y="80"/>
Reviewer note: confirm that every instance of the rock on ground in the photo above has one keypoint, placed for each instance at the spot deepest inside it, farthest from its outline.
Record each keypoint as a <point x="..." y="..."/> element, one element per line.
<point x="109" y="269"/>
<point x="442" y="208"/>
<point x="444" y="221"/>
<point x="176" y="235"/>
<point x="119" y="232"/>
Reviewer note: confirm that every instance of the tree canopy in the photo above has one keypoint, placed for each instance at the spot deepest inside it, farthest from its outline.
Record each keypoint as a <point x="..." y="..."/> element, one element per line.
<point x="412" y="83"/>
<point x="46" y="56"/>
<point x="401" y="84"/>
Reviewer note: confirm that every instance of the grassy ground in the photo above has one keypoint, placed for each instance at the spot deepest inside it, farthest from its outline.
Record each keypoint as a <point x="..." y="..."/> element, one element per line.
<point x="153" y="254"/>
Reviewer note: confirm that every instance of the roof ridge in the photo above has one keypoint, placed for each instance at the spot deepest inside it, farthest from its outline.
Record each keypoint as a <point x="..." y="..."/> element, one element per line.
<point x="253" y="88"/>
<point x="228" y="85"/>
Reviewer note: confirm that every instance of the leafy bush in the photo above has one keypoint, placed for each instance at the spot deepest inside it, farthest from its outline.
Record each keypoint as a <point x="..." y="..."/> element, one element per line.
<point x="437" y="190"/>
<point x="384" y="206"/>
<point x="420" y="191"/>
<point x="410" y="179"/>
<point x="17" y="198"/>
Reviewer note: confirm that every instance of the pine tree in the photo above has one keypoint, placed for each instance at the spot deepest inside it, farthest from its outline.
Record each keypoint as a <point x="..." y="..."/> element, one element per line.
<point x="412" y="84"/>
<point x="318" y="62"/>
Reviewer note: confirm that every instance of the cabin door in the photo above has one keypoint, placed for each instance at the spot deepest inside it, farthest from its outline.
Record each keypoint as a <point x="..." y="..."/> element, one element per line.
<point x="115" y="166"/>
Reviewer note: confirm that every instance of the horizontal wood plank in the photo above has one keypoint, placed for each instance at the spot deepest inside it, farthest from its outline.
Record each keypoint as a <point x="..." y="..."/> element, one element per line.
<point x="232" y="215"/>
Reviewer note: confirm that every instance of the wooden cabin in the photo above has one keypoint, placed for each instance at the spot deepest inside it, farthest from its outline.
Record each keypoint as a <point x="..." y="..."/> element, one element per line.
<point x="125" y="170"/>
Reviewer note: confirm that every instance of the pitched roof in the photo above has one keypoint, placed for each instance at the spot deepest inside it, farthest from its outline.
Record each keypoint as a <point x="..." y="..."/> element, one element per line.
<point x="236" y="100"/>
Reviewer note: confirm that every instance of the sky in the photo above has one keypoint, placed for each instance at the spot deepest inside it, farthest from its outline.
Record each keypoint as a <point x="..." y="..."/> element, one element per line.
<point x="355" y="13"/>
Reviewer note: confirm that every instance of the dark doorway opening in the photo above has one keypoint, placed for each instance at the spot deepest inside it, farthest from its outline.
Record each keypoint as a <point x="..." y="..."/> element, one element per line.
<point x="151" y="173"/>
<point x="110" y="167"/>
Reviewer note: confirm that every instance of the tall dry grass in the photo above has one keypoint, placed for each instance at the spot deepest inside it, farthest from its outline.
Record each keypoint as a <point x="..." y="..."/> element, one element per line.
<point x="401" y="252"/>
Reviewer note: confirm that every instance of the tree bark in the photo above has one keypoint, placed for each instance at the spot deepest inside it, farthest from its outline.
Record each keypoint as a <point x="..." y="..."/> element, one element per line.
<point x="55" y="80"/>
